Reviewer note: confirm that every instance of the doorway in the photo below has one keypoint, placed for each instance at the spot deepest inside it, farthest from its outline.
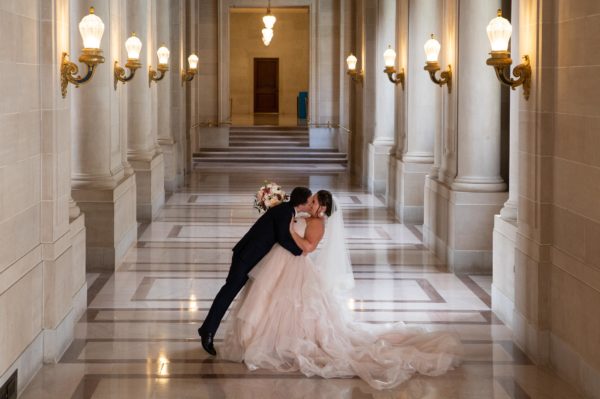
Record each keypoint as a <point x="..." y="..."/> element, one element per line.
<point x="266" y="85"/>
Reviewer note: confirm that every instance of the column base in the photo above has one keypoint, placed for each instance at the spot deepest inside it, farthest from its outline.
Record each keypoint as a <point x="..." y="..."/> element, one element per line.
<point x="458" y="226"/>
<point x="410" y="186"/>
<point x="172" y="183"/>
<point x="110" y="221"/>
<point x="479" y="185"/>
<point x="509" y="211"/>
<point x="379" y="160"/>
<point x="150" y="186"/>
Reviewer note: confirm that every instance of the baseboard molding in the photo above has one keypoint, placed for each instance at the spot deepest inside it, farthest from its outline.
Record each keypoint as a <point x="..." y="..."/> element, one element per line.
<point x="502" y="307"/>
<point x="573" y="368"/>
<point x="535" y="343"/>
<point x="28" y="364"/>
<point x="57" y="340"/>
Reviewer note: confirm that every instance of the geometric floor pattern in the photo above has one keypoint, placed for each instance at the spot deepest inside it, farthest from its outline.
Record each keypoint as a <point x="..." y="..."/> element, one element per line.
<point x="138" y="337"/>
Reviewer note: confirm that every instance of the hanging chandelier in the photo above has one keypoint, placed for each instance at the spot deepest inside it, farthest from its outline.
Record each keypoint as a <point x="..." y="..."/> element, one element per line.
<point x="269" y="21"/>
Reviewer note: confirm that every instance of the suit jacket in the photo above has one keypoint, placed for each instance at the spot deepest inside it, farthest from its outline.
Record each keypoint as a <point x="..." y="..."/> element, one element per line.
<point x="272" y="227"/>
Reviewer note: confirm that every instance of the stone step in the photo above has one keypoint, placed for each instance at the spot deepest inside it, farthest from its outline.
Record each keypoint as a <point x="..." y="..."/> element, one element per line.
<point x="267" y="133"/>
<point x="274" y="160"/>
<point x="268" y="128"/>
<point x="269" y="155"/>
<point x="245" y="143"/>
<point x="267" y="138"/>
<point x="267" y="148"/>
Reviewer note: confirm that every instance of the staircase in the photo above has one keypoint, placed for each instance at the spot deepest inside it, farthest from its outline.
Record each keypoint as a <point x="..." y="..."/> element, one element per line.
<point x="269" y="145"/>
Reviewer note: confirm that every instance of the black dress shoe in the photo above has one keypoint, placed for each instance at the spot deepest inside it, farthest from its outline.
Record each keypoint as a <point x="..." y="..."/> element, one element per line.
<point x="207" y="342"/>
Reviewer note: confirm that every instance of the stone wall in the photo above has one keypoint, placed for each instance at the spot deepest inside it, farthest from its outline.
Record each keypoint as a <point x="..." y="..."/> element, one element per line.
<point x="42" y="238"/>
<point x="290" y="45"/>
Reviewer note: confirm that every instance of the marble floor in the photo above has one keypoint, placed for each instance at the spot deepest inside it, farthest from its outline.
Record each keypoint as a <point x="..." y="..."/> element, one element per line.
<point x="138" y="337"/>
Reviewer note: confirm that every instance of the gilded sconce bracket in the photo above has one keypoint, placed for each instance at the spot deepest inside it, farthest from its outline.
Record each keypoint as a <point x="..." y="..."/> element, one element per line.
<point x="399" y="78"/>
<point x="120" y="73"/>
<point x="187" y="76"/>
<point x="445" y="77"/>
<point x="68" y="70"/>
<point x="501" y="62"/>
<point x="157" y="75"/>
<point x="356" y="76"/>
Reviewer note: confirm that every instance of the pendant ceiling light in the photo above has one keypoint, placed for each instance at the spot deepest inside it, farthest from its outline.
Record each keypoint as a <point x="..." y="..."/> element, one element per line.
<point x="269" y="21"/>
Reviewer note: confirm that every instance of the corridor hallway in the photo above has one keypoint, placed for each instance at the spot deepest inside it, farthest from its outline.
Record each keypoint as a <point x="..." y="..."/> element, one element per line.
<point x="138" y="337"/>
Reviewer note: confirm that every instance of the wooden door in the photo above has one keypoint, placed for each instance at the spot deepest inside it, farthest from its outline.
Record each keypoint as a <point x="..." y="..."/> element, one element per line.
<point x="266" y="85"/>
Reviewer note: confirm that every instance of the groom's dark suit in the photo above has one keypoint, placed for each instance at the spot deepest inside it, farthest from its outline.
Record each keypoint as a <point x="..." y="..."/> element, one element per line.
<point x="272" y="227"/>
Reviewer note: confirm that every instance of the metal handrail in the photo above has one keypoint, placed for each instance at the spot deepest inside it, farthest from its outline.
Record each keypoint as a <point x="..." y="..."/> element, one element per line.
<point x="330" y="126"/>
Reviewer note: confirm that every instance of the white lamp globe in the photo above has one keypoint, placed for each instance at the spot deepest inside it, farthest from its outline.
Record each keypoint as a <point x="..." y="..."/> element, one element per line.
<point x="134" y="47"/>
<point x="432" y="49"/>
<point x="269" y="20"/>
<point x="193" y="61"/>
<point x="91" y="29"/>
<point x="163" y="55"/>
<point x="351" y="61"/>
<point x="389" y="57"/>
<point x="267" y="33"/>
<point x="499" y="31"/>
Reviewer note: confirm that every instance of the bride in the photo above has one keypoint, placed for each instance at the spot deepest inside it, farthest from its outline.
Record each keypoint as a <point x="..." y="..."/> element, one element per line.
<point x="292" y="315"/>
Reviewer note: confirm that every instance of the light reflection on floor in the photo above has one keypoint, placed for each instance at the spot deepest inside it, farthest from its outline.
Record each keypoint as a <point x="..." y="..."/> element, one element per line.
<point x="138" y="338"/>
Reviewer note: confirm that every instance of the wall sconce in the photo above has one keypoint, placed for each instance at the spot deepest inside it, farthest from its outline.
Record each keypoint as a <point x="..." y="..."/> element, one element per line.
<point x="134" y="47"/>
<point x="188" y="75"/>
<point x="356" y="76"/>
<point x="499" y="31"/>
<point x="163" y="65"/>
<point x="91" y="29"/>
<point x="389" y="57"/>
<point x="432" y="51"/>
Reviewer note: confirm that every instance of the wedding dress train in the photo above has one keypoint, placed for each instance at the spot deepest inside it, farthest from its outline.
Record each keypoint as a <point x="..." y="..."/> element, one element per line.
<point x="288" y="320"/>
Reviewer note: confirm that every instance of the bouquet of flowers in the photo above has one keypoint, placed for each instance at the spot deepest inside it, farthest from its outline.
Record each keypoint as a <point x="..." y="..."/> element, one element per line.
<point x="269" y="195"/>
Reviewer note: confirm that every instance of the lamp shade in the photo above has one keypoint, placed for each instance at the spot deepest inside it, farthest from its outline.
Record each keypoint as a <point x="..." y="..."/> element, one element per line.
<point x="351" y="61"/>
<point x="134" y="47"/>
<point x="267" y="35"/>
<point x="432" y="49"/>
<point x="389" y="57"/>
<point x="193" y="61"/>
<point x="499" y="31"/>
<point x="91" y="29"/>
<point x="269" y="20"/>
<point x="163" y="55"/>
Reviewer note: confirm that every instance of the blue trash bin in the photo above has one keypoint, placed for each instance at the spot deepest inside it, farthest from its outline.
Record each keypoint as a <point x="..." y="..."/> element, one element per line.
<point x="302" y="105"/>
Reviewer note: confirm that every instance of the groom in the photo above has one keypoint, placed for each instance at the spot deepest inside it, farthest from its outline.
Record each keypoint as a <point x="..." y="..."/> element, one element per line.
<point x="272" y="227"/>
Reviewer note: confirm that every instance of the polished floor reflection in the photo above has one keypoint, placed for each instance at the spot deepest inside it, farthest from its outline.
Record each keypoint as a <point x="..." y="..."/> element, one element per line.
<point x="138" y="337"/>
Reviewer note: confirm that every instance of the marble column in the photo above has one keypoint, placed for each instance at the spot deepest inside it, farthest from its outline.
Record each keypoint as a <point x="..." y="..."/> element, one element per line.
<point x="509" y="211"/>
<point x="381" y="146"/>
<point x="164" y="88"/>
<point x="478" y="104"/>
<point x="61" y="224"/>
<point x="423" y="113"/>
<point x="478" y="192"/>
<point x="100" y="186"/>
<point x="146" y="161"/>
<point x="505" y="224"/>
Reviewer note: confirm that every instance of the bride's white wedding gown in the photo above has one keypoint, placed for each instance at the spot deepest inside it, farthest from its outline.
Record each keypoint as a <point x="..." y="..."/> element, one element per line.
<point x="286" y="320"/>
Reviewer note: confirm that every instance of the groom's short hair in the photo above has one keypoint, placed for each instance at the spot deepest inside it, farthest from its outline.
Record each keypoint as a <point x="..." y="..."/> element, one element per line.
<point x="299" y="196"/>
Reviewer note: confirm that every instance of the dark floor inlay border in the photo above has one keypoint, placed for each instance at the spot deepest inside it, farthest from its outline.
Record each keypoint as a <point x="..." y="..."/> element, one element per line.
<point x="512" y="388"/>
<point x="143" y="289"/>
<point x="475" y="289"/>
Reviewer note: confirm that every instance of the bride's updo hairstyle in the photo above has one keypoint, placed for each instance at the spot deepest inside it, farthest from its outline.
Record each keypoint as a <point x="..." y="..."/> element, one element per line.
<point x="325" y="199"/>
